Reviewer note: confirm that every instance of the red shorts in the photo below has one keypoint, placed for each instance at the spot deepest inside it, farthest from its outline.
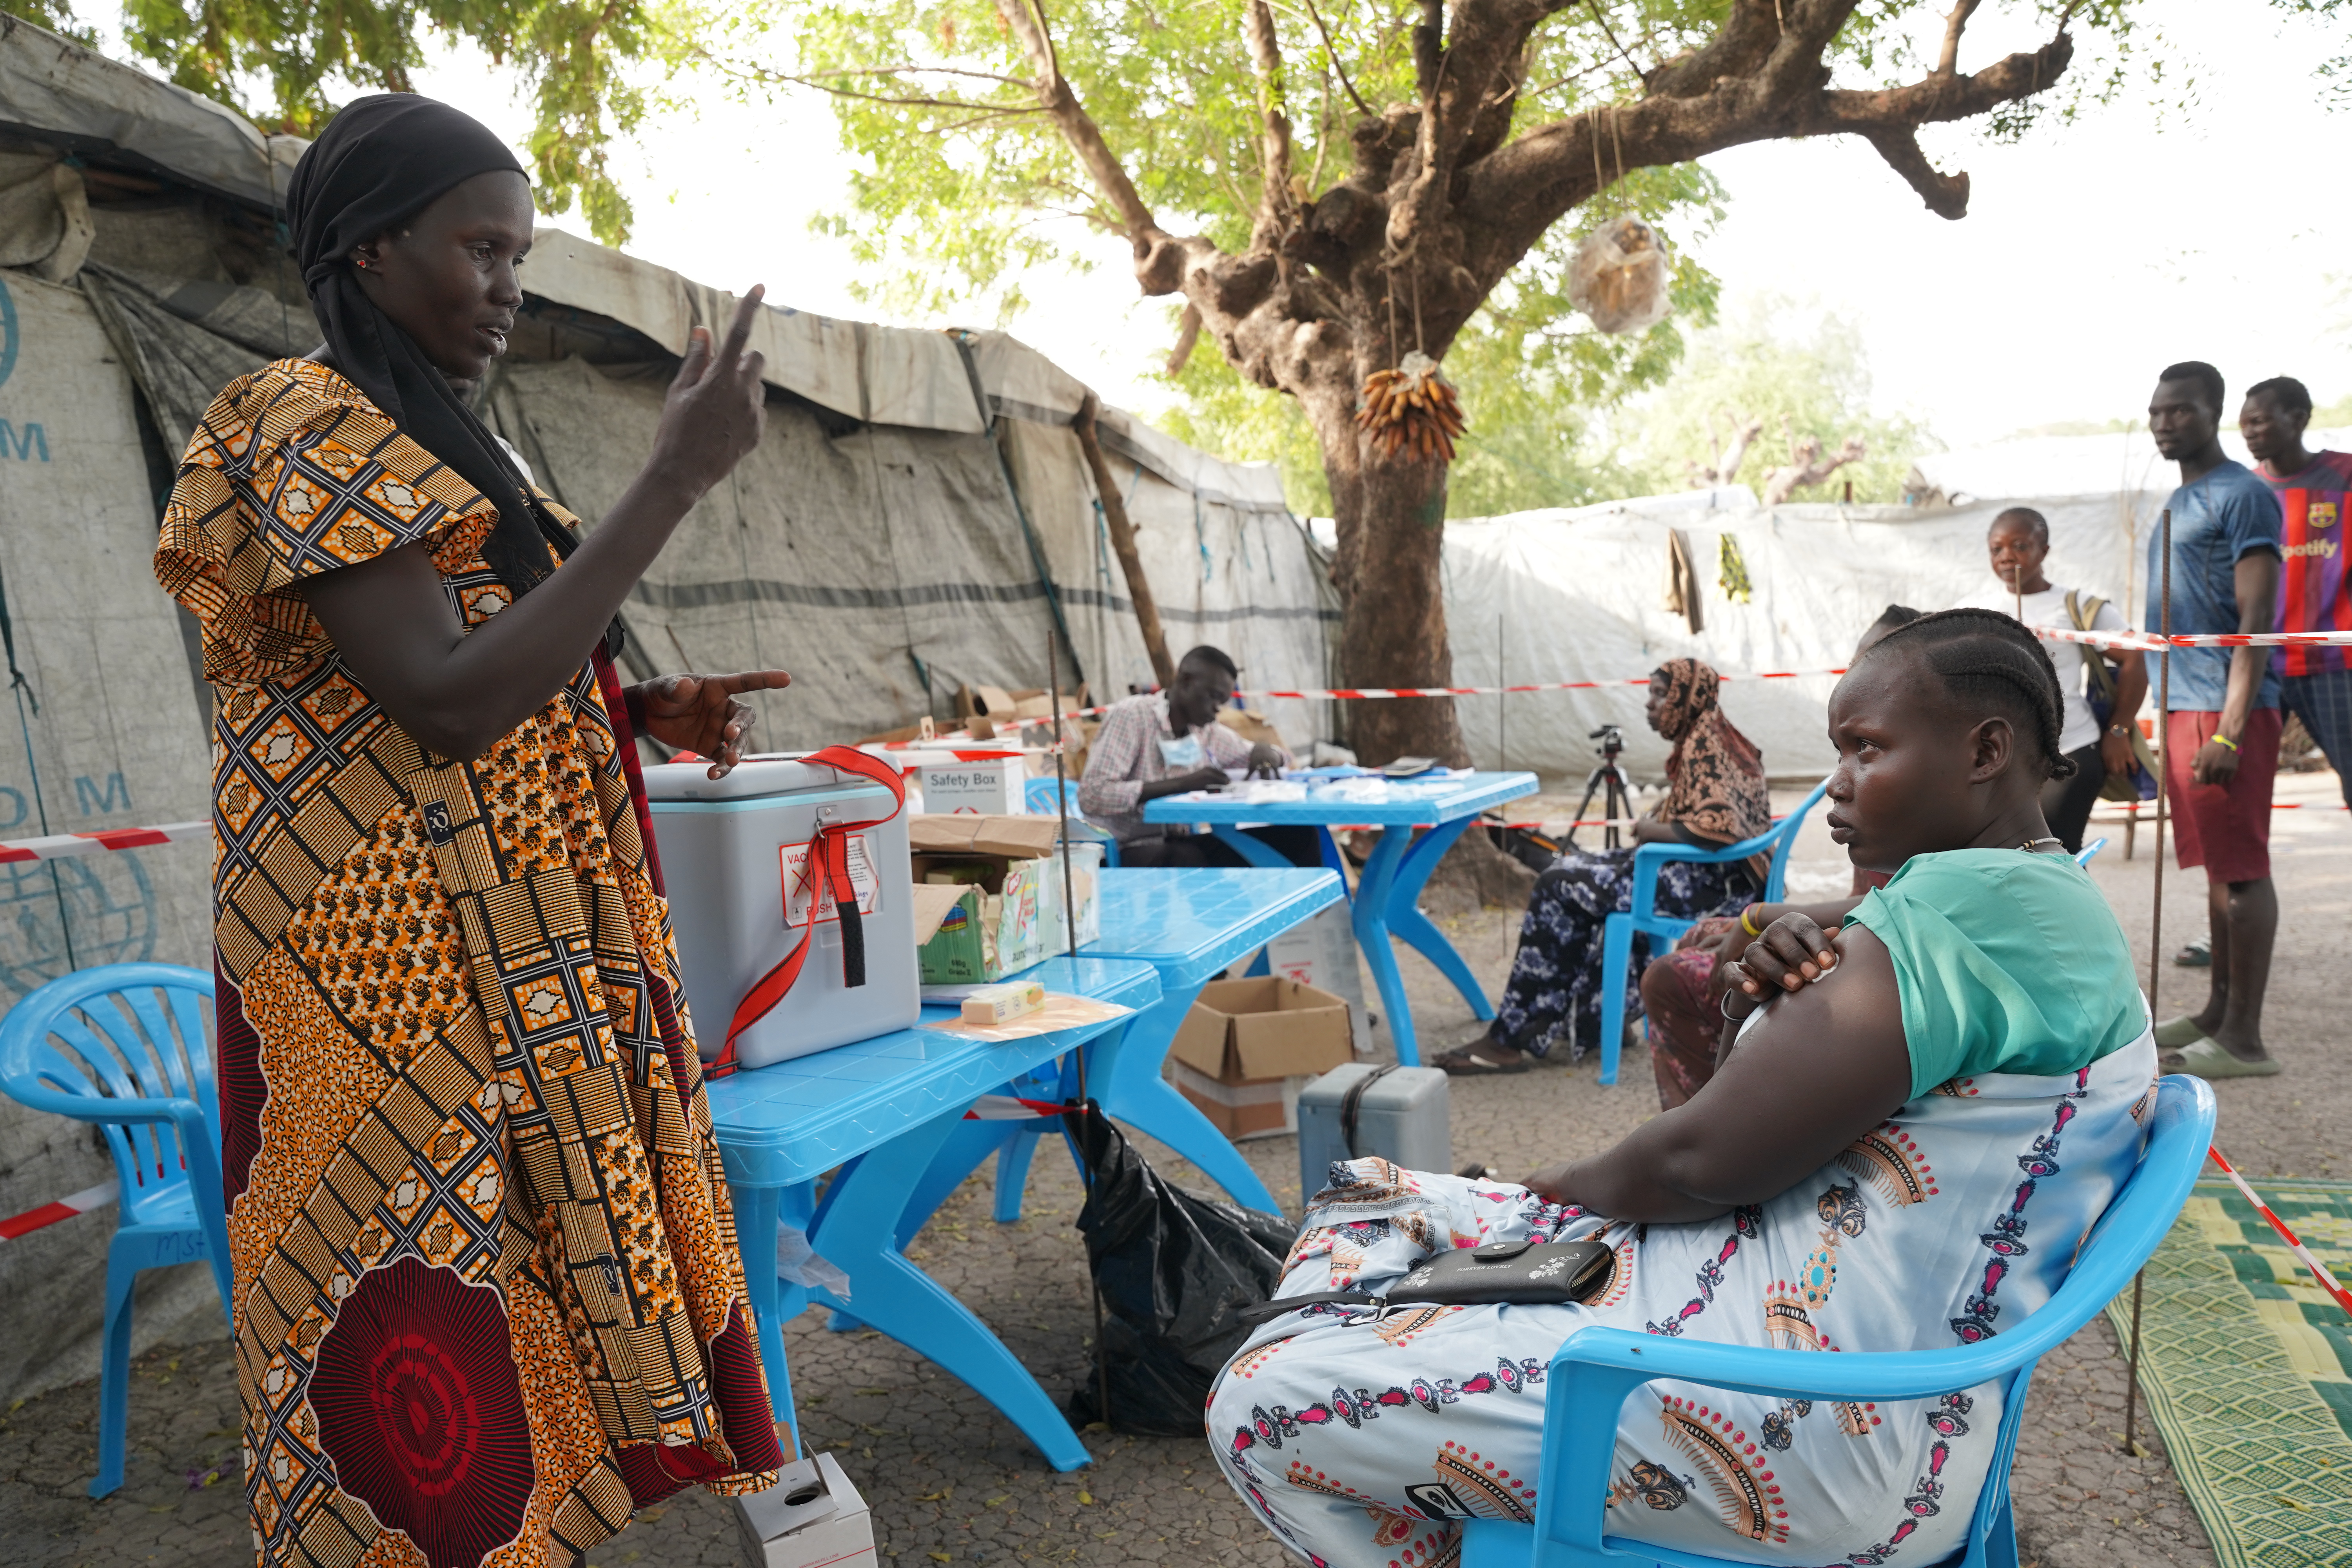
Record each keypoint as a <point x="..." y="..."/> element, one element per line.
<point x="2226" y="828"/>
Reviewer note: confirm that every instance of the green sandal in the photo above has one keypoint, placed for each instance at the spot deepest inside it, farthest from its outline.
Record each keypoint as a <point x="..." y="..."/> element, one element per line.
<point x="2209" y="1059"/>
<point x="2174" y="1033"/>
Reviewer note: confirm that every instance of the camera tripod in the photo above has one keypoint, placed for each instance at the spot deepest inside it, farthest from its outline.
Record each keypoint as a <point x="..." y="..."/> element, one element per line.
<point x="1609" y="781"/>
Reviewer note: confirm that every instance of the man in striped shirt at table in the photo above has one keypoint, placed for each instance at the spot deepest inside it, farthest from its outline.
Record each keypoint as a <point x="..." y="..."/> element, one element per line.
<point x="2315" y="593"/>
<point x="1169" y="743"/>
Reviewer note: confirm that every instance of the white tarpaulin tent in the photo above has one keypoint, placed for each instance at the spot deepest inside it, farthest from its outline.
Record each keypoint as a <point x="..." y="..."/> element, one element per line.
<point x="1577" y="596"/>
<point x="918" y="516"/>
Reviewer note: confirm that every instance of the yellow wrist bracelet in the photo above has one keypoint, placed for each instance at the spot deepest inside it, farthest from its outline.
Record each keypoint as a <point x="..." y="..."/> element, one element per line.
<point x="2224" y="740"/>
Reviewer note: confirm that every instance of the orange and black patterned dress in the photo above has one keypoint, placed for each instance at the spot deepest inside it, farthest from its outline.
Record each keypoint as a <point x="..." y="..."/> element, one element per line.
<point x="488" y="1299"/>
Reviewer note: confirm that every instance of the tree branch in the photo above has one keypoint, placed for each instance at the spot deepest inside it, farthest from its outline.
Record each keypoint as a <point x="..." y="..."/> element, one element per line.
<point x="1332" y="53"/>
<point x="1158" y="262"/>
<point x="1276" y="213"/>
<point x="1734" y="91"/>
<point x="1187" y="333"/>
<point x="1948" y="62"/>
<point x="1947" y="195"/>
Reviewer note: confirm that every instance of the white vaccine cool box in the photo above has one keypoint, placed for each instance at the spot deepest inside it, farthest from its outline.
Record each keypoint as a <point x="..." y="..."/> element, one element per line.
<point x="734" y="859"/>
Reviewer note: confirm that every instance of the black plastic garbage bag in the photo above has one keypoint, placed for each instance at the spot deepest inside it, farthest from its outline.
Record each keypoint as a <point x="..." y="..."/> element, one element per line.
<point x="1175" y="1271"/>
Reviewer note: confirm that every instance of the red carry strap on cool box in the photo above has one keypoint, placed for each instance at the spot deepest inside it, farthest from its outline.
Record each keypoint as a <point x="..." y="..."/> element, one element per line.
<point x="829" y="858"/>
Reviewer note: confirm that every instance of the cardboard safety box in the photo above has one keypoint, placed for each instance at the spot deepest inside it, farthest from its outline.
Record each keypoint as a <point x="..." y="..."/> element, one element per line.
<point x="975" y="784"/>
<point x="811" y="1518"/>
<point x="987" y="895"/>
<point x="1248" y="1047"/>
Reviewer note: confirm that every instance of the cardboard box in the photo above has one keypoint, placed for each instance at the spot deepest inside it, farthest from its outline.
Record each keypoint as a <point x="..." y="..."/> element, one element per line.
<point x="1251" y="727"/>
<point x="974" y="785"/>
<point x="1320" y="950"/>
<point x="811" y="1518"/>
<point x="1248" y="1047"/>
<point x="1008" y="913"/>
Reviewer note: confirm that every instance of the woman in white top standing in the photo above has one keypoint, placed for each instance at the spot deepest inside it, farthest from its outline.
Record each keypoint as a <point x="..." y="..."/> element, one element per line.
<point x="2018" y="541"/>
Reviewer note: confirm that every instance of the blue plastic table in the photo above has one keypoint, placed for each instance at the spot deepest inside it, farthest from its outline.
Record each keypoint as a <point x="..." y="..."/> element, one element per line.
<point x="1387" y="894"/>
<point x="882" y="1110"/>
<point x="1189" y="924"/>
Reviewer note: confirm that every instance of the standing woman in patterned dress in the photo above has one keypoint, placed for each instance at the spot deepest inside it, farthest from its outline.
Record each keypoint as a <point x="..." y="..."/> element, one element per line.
<point x="489" y="1301"/>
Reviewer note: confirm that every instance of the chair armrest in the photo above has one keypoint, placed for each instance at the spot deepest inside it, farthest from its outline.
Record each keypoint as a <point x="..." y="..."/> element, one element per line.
<point x="101" y="1108"/>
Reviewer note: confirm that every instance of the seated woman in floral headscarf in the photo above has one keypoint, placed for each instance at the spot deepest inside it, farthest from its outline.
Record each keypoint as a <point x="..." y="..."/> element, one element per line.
<point x="1715" y="795"/>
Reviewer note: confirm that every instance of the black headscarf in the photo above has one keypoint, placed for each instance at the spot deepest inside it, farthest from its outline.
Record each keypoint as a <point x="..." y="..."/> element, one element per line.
<point x="379" y="162"/>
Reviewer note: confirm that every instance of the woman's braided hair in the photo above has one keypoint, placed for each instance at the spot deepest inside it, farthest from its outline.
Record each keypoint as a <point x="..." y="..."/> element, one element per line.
<point x="1987" y="658"/>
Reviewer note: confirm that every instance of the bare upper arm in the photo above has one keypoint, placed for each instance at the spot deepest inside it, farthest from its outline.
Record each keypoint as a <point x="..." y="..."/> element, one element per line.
<point x="391" y="622"/>
<point x="1823" y="1065"/>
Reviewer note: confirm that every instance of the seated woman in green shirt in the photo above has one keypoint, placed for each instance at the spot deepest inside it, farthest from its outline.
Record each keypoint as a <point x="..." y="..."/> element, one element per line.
<point x="1914" y="1119"/>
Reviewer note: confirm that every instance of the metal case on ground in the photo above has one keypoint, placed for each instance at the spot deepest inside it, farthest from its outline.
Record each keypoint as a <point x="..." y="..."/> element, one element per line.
<point x="1401" y="1117"/>
<point x="734" y="860"/>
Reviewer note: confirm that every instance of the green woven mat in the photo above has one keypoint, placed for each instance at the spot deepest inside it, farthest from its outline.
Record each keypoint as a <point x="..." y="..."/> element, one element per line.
<point x="2246" y="1366"/>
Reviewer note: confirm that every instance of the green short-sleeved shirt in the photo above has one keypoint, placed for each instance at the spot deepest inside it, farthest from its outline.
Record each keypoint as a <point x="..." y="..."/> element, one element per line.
<point x="2007" y="961"/>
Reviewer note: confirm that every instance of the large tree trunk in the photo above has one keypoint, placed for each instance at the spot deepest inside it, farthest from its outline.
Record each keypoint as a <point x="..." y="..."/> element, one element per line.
<point x="1390" y="517"/>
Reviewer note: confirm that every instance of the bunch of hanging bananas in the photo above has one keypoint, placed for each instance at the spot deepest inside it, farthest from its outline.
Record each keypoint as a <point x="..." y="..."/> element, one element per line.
<point x="1412" y="409"/>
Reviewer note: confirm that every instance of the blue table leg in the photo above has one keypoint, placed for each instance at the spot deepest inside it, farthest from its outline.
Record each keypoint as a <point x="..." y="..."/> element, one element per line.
<point x="1256" y="851"/>
<point x="857" y="1231"/>
<point x="1013" y="1174"/>
<point x="966" y="1146"/>
<point x="1123" y="1075"/>
<point x="757" y="1210"/>
<point x="1369" y="917"/>
<point x="1406" y="919"/>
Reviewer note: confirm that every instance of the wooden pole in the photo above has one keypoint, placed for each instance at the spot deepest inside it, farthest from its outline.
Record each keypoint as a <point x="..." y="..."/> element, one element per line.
<point x="2155" y="918"/>
<point x="1070" y="931"/>
<point x="1122" y="542"/>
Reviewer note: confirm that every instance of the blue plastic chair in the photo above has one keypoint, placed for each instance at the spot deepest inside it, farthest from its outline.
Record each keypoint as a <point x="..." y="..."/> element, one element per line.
<point x="1040" y="800"/>
<point x="127" y="1047"/>
<point x="1597" y="1369"/>
<point x="1618" y="930"/>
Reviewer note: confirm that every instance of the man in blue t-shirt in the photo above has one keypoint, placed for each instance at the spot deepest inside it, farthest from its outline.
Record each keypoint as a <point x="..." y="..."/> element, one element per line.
<point x="2221" y="719"/>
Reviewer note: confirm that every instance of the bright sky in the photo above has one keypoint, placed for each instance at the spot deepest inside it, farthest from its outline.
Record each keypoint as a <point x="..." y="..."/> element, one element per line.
<point x="2092" y="254"/>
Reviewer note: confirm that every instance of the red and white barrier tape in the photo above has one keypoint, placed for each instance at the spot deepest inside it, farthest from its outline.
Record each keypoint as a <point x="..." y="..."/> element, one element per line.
<point x="1012" y="1108"/>
<point x="48" y="1215"/>
<point x="57" y="845"/>
<point x="2150" y="643"/>
<point x="2327" y="1281"/>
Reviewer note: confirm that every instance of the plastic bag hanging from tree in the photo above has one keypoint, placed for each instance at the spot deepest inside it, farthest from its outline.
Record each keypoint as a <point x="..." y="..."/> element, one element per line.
<point x="1619" y="275"/>
<point x="1174" y="1272"/>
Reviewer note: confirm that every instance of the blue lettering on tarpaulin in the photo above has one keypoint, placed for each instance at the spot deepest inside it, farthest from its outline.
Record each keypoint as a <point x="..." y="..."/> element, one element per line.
<point x="22" y="442"/>
<point x="15" y="799"/>
<point x="92" y="804"/>
<point x="7" y="332"/>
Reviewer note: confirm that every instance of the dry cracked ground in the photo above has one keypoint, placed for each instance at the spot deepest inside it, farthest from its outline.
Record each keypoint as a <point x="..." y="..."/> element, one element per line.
<point x="949" y="1480"/>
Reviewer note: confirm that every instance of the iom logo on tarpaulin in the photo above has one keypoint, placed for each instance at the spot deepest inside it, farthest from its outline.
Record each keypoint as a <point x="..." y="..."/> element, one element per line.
<point x="7" y="332"/>
<point x="29" y="441"/>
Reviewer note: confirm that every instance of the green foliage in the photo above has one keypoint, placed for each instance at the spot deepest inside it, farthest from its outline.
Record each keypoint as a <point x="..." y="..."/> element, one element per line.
<point x="966" y="189"/>
<point x="56" y="16"/>
<point x="287" y="64"/>
<point x="1795" y="367"/>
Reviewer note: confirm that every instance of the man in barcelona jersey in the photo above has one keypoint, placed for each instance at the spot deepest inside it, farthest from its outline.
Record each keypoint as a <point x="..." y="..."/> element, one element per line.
<point x="2315" y="595"/>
